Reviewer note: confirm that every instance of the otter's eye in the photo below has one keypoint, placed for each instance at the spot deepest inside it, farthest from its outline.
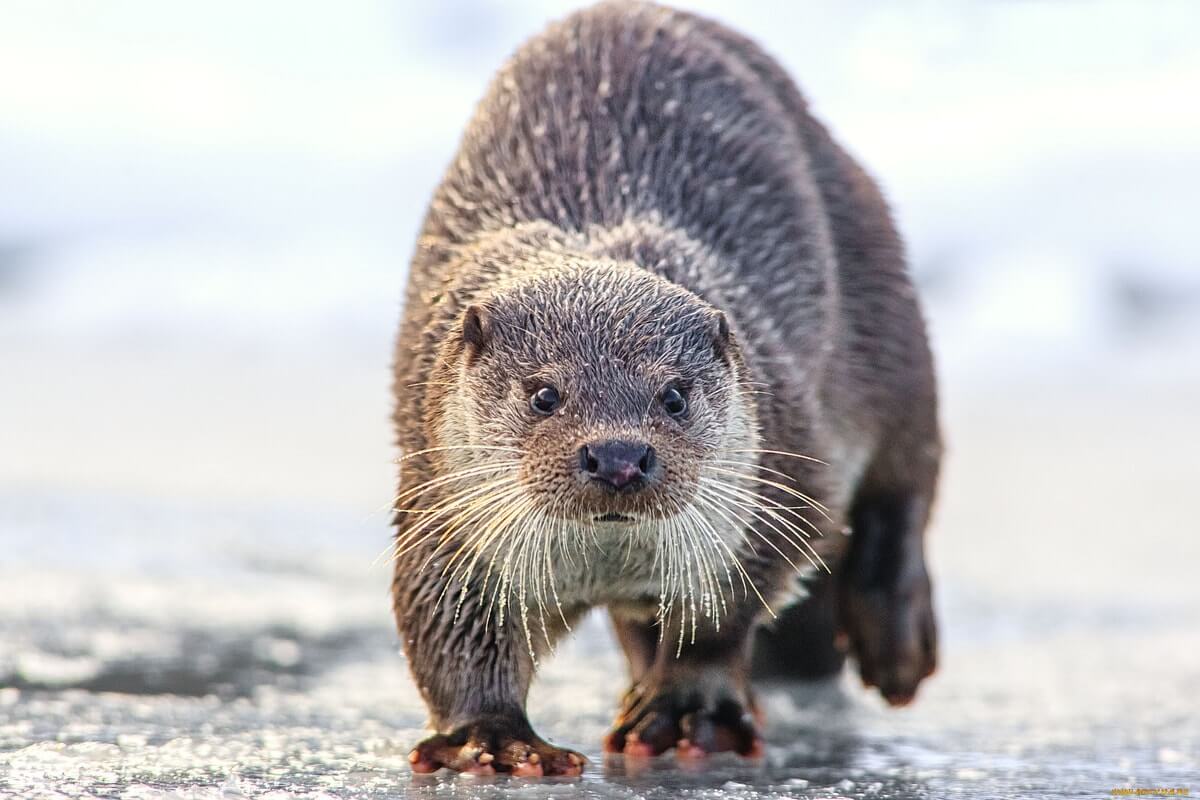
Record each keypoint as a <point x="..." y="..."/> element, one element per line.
<point x="545" y="400"/>
<point x="673" y="401"/>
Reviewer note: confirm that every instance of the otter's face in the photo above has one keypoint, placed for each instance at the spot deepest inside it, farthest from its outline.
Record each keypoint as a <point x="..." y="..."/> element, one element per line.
<point x="612" y="388"/>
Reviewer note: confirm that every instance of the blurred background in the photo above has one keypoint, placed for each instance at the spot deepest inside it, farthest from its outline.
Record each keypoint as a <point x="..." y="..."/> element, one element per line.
<point x="206" y="212"/>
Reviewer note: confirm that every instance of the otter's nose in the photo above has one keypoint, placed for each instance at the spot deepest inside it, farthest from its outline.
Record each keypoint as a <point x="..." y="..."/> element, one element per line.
<point x="618" y="464"/>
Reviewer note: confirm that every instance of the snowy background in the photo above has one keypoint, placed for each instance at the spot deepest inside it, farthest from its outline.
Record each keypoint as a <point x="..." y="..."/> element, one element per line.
<point x="206" y="211"/>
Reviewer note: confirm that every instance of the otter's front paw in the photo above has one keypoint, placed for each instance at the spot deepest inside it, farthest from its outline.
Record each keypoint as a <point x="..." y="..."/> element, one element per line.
<point x="658" y="715"/>
<point x="495" y="744"/>
<point x="891" y="632"/>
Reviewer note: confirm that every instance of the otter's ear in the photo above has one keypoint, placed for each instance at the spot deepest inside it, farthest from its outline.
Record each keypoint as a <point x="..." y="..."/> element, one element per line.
<point x="476" y="329"/>
<point x="718" y="329"/>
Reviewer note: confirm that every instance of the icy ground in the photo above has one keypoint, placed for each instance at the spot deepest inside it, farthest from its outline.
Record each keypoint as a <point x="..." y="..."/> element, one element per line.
<point x="155" y="648"/>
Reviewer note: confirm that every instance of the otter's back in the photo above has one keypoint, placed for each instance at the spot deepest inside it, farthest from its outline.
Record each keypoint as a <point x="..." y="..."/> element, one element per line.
<point x="628" y="111"/>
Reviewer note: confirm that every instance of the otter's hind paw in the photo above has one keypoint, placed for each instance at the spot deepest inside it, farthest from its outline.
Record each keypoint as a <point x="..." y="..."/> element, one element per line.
<point x="892" y="634"/>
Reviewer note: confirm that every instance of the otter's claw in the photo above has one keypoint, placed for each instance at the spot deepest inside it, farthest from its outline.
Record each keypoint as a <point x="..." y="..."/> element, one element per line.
<point x="495" y="746"/>
<point x="655" y="720"/>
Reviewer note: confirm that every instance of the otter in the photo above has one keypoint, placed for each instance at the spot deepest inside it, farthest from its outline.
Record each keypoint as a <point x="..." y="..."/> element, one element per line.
<point x="660" y="353"/>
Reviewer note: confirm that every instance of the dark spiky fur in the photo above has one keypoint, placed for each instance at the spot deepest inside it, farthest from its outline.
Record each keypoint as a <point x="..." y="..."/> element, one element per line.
<point x="631" y="140"/>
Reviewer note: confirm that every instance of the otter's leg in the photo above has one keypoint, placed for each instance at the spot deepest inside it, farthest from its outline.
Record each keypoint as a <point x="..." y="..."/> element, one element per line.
<point x="696" y="699"/>
<point x="638" y="640"/>
<point x="474" y="673"/>
<point x="885" y="601"/>
<point x="802" y="642"/>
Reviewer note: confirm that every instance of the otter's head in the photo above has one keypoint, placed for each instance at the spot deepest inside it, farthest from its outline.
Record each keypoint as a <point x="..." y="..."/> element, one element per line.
<point x="607" y="390"/>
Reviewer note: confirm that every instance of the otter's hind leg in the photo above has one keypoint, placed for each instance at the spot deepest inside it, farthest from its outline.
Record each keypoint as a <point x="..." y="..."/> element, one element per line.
<point x="876" y="604"/>
<point x="885" y="604"/>
<point x="801" y="642"/>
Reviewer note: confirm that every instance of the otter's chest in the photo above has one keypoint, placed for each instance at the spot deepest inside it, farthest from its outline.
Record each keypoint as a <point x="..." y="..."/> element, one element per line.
<point x="610" y="564"/>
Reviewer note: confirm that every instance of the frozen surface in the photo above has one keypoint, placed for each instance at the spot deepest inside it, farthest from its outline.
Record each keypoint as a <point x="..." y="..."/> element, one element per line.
<point x="208" y="650"/>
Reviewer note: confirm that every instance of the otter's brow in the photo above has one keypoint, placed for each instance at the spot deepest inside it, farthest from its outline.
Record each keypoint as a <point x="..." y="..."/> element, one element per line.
<point x="542" y="377"/>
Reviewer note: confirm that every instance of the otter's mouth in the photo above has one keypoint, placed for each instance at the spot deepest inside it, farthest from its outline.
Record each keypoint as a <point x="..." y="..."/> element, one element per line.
<point x="613" y="516"/>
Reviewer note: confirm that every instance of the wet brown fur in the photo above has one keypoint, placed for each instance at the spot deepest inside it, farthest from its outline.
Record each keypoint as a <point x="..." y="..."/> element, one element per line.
<point x="643" y="170"/>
